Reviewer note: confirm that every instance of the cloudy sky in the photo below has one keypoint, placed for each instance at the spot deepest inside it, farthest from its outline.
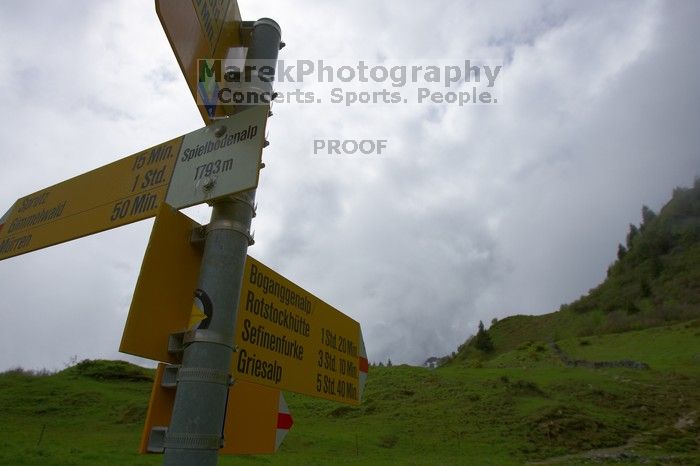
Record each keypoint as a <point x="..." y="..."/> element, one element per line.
<point x="471" y="212"/>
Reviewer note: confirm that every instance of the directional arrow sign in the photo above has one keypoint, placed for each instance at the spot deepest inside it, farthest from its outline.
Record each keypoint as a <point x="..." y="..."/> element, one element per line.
<point x="286" y="337"/>
<point x="201" y="29"/>
<point x="257" y="418"/>
<point x="289" y="338"/>
<point x="211" y="162"/>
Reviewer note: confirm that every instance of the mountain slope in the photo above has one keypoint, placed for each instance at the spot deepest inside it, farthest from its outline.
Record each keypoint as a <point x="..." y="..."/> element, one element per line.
<point x="523" y="405"/>
<point x="620" y="385"/>
<point x="655" y="281"/>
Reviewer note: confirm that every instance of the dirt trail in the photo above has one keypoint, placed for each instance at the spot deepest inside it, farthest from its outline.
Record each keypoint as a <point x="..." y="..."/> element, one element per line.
<point x="623" y="452"/>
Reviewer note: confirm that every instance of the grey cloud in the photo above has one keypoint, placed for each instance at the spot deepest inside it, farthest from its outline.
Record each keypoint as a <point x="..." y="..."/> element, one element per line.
<point x="474" y="213"/>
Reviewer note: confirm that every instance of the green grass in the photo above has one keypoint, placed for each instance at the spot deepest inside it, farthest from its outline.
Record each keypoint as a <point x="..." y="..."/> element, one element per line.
<point x="84" y="420"/>
<point x="520" y="403"/>
<point x="659" y="347"/>
<point x="523" y="405"/>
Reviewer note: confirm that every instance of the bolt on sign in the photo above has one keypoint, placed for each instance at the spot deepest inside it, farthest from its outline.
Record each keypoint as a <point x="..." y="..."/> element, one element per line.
<point x="201" y="29"/>
<point x="286" y="338"/>
<point x="200" y="166"/>
<point x="257" y="418"/>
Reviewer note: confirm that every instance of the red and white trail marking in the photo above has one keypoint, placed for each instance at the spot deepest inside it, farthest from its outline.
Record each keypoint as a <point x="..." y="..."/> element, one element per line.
<point x="284" y="421"/>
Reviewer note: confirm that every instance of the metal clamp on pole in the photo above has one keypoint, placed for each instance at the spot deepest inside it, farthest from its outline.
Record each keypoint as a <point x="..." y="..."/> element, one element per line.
<point x="193" y="441"/>
<point x="176" y="343"/>
<point x="156" y="439"/>
<point x="203" y="374"/>
<point x="169" y="379"/>
<point x="197" y="237"/>
<point x="238" y="227"/>
<point x="208" y="336"/>
<point x="246" y="200"/>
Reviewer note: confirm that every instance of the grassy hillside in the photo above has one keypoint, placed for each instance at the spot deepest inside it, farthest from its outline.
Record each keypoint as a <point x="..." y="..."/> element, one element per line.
<point x="523" y="405"/>
<point x="655" y="281"/>
<point x="556" y="389"/>
<point x="88" y="414"/>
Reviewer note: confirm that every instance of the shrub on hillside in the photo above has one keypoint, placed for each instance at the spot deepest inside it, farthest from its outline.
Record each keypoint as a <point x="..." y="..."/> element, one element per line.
<point x="111" y="370"/>
<point x="482" y="340"/>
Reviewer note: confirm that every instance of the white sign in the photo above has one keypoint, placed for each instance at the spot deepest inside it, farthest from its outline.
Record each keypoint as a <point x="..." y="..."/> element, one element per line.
<point x="215" y="161"/>
<point x="223" y="159"/>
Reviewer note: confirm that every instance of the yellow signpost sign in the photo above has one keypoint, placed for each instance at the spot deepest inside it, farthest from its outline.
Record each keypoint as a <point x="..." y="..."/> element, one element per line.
<point x="188" y="170"/>
<point x="257" y="418"/>
<point x="286" y="338"/>
<point x="289" y="338"/>
<point x="122" y="192"/>
<point x="200" y="29"/>
<point x="166" y="282"/>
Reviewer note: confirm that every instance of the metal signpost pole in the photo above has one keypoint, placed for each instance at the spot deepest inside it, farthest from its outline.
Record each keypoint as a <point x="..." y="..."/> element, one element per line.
<point x="194" y="435"/>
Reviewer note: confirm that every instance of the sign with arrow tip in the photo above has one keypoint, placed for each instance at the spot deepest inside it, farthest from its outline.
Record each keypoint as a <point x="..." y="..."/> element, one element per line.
<point x="200" y="166"/>
<point x="286" y="338"/>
